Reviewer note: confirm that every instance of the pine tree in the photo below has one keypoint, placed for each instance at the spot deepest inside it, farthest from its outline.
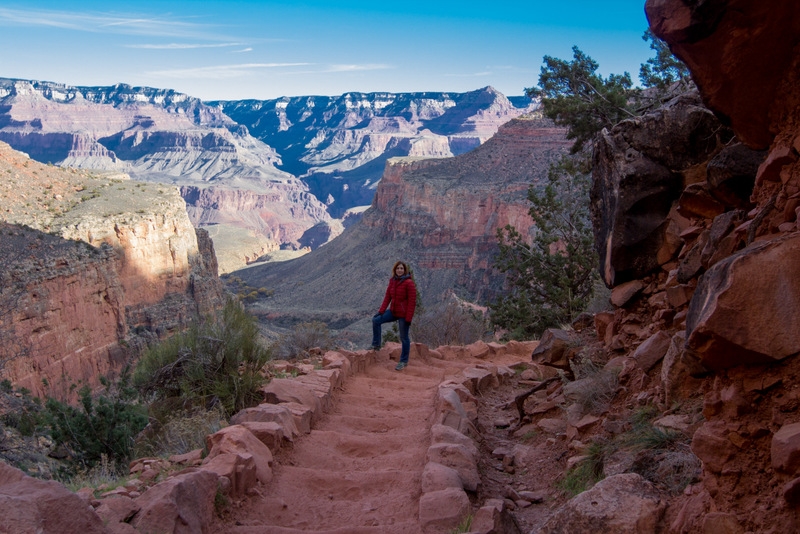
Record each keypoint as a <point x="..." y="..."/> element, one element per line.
<point x="551" y="279"/>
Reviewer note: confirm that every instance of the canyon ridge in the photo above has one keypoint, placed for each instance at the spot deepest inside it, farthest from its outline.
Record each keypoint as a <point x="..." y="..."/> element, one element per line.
<point x="259" y="176"/>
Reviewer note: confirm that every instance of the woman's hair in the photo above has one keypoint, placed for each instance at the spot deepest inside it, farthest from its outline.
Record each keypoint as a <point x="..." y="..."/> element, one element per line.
<point x="405" y="266"/>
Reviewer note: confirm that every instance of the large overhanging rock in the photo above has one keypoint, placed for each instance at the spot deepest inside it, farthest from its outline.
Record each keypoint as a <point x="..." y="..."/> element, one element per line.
<point x="641" y="166"/>
<point x="745" y="307"/>
<point x="742" y="55"/>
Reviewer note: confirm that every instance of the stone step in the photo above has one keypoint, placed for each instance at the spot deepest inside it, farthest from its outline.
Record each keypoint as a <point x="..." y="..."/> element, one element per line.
<point x="341" y="499"/>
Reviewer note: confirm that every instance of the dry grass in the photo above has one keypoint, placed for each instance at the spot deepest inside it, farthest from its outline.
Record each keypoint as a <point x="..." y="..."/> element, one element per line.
<point x="600" y="385"/>
<point x="182" y="433"/>
<point x="303" y="338"/>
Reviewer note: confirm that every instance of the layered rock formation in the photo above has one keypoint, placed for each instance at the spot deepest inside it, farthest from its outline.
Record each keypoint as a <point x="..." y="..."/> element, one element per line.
<point x="339" y="145"/>
<point x="168" y="137"/>
<point x="441" y="215"/>
<point x="120" y="263"/>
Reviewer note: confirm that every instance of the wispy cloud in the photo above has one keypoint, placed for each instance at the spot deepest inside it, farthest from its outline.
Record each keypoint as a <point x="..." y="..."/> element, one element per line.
<point x="164" y="26"/>
<point x="221" y="71"/>
<point x="470" y="74"/>
<point x="181" y="46"/>
<point x="248" y="49"/>
<point x="351" y="68"/>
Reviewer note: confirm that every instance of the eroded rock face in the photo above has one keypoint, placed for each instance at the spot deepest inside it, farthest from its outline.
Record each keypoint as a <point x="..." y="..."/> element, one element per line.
<point x="742" y="55"/>
<point x="439" y="215"/>
<point x="119" y="266"/>
<point x="741" y="309"/>
<point x="350" y="137"/>
<point x="641" y="166"/>
<point x="167" y="137"/>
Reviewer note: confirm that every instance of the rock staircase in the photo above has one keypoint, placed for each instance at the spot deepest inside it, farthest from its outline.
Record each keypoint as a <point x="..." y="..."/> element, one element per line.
<point x="367" y="465"/>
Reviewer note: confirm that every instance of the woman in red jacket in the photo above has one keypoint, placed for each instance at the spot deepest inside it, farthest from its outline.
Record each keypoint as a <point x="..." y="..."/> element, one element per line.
<point x="402" y="294"/>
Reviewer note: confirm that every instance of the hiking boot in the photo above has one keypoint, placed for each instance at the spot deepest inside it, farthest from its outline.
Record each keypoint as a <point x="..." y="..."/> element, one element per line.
<point x="400" y="366"/>
<point x="374" y="347"/>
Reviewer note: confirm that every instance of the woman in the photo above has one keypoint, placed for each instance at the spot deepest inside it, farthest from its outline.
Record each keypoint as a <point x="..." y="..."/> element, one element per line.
<point x="402" y="294"/>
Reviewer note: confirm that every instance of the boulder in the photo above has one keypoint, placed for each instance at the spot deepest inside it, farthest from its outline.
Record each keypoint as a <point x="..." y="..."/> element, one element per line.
<point x="269" y="433"/>
<point x="785" y="449"/>
<point x="239" y="470"/>
<point x="460" y="458"/>
<point x="710" y="443"/>
<point x="181" y="504"/>
<point x="443" y="509"/>
<point x="637" y="168"/>
<point x="288" y="390"/>
<point x="479" y="380"/>
<point x="451" y="412"/>
<point x="555" y="349"/>
<point x="622" y="504"/>
<point x="337" y="360"/>
<point x="264" y="413"/>
<point x="236" y="439"/>
<point x="740" y="311"/>
<point x="437" y="477"/>
<point x="652" y="350"/>
<point x="624" y="293"/>
<point x="31" y="505"/>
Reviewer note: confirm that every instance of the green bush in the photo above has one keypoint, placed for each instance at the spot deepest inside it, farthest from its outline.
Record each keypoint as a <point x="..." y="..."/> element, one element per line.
<point x="586" y="473"/>
<point x="216" y="363"/>
<point x="551" y="275"/>
<point x="100" y="427"/>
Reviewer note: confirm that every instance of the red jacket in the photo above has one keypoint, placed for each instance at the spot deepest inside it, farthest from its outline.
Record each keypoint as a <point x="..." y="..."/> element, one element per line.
<point x="402" y="293"/>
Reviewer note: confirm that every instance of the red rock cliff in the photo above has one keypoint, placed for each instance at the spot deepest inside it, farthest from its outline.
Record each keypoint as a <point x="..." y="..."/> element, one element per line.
<point x="120" y="263"/>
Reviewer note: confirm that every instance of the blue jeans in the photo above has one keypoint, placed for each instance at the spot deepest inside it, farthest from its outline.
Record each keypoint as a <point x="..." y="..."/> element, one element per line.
<point x="387" y="317"/>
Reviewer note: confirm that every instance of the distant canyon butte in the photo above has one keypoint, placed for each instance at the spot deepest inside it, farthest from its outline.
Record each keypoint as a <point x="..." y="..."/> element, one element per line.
<point x="266" y="178"/>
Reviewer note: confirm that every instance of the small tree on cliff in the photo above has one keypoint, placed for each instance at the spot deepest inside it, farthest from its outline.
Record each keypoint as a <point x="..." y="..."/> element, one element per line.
<point x="575" y="96"/>
<point x="551" y="279"/>
<point x="664" y="70"/>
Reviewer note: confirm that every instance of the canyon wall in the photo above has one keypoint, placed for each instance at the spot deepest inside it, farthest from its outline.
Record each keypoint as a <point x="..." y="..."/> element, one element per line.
<point x="167" y="137"/>
<point x="695" y="210"/>
<point x="94" y="268"/>
<point x="340" y="144"/>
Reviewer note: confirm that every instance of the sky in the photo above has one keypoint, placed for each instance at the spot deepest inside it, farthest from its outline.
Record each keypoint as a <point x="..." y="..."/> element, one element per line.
<point x="244" y="49"/>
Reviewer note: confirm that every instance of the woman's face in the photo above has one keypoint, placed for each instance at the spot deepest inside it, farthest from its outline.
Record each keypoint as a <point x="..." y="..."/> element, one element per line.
<point x="400" y="270"/>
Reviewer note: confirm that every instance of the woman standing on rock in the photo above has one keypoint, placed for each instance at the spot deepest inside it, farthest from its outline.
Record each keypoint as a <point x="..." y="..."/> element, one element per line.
<point x="402" y="294"/>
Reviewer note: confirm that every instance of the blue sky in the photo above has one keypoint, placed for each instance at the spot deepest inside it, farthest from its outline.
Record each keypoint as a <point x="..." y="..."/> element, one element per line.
<point x="230" y="50"/>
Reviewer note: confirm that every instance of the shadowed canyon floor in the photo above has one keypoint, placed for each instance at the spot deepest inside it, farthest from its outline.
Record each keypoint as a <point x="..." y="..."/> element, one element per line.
<point x="360" y="469"/>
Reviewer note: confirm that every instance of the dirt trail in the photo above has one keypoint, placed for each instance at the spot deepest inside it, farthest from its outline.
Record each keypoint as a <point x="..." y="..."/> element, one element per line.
<point x="359" y="470"/>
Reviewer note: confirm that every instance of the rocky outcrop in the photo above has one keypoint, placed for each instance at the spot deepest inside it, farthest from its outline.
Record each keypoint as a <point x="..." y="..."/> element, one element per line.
<point x="121" y="264"/>
<point x="743" y="57"/>
<point x="339" y="145"/>
<point x="641" y="167"/>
